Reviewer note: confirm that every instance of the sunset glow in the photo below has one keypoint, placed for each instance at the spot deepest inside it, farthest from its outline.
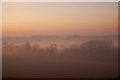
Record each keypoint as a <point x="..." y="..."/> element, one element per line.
<point x="31" y="18"/>
<point x="59" y="40"/>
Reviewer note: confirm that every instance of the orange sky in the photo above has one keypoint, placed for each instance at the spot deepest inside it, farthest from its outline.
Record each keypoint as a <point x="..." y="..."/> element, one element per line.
<point x="36" y="18"/>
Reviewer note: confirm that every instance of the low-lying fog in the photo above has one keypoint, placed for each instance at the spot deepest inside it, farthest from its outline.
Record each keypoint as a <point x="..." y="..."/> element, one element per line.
<point x="68" y="57"/>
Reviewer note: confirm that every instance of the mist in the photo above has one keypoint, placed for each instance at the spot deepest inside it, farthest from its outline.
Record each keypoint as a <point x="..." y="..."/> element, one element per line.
<point x="60" y="57"/>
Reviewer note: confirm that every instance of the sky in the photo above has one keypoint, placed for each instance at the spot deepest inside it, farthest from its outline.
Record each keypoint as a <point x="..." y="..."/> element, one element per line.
<point x="59" y="18"/>
<point x="60" y="0"/>
<point x="0" y="40"/>
<point x="0" y="19"/>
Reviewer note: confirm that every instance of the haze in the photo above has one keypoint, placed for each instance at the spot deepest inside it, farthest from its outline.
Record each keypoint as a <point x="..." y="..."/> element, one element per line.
<point x="34" y="18"/>
<point x="60" y="40"/>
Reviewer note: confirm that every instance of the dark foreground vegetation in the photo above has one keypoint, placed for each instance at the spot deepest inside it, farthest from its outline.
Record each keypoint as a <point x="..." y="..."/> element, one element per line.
<point x="91" y="59"/>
